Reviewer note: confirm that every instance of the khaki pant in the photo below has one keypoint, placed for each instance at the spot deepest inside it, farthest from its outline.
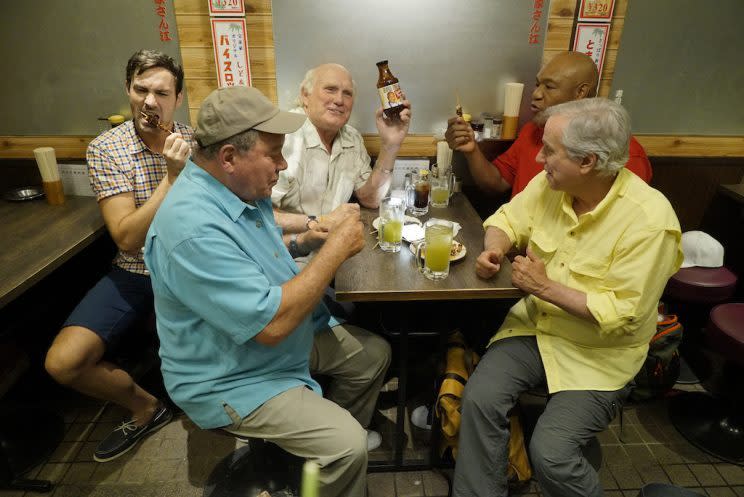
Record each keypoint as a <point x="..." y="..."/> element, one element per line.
<point x="328" y="431"/>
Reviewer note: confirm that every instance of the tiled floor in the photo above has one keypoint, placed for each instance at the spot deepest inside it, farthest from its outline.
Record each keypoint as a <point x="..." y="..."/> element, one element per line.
<point x="181" y="460"/>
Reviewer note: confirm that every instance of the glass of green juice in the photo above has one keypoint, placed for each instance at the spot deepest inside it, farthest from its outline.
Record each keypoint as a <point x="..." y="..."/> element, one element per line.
<point x="433" y="255"/>
<point x="441" y="189"/>
<point x="392" y="211"/>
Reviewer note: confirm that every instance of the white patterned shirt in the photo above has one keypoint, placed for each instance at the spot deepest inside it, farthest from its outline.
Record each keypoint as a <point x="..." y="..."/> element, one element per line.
<point x="316" y="182"/>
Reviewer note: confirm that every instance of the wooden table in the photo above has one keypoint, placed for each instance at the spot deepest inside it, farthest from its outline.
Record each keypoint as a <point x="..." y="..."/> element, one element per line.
<point x="374" y="275"/>
<point x="37" y="238"/>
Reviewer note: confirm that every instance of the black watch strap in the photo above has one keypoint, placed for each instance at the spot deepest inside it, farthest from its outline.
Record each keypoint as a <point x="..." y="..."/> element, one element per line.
<point x="294" y="249"/>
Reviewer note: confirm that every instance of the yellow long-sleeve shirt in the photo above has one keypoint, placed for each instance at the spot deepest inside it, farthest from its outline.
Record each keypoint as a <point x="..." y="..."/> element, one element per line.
<point x="620" y="254"/>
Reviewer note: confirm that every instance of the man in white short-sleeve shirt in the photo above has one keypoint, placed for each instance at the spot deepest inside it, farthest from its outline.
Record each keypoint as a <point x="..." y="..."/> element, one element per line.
<point x="327" y="160"/>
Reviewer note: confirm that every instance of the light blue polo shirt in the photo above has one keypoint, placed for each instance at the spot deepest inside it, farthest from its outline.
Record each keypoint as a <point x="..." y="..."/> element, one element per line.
<point x="217" y="265"/>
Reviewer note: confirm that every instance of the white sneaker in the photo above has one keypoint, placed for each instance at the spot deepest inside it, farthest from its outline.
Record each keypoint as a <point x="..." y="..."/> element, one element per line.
<point x="374" y="440"/>
<point x="420" y="418"/>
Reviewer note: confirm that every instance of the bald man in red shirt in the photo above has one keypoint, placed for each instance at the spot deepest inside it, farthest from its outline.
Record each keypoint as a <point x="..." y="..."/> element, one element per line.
<point x="568" y="76"/>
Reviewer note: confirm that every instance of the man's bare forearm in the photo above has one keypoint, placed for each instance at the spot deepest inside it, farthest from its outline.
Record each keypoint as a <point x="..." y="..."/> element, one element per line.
<point x="485" y="174"/>
<point x="378" y="183"/>
<point x="290" y="222"/>
<point x="301" y="295"/>
<point x="569" y="299"/>
<point x="497" y="240"/>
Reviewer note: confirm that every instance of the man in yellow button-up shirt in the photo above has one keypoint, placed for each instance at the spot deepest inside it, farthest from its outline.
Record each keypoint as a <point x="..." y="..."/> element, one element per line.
<point x="600" y="246"/>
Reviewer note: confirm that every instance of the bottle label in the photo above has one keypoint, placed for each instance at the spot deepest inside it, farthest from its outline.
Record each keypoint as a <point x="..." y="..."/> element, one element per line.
<point x="391" y="96"/>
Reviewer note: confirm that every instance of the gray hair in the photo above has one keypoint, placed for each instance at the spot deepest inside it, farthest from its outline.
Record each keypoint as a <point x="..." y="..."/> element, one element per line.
<point x="596" y="126"/>
<point x="243" y="142"/>
<point x="308" y="82"/>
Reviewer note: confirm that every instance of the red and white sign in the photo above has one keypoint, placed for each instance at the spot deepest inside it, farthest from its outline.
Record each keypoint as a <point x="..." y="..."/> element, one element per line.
<point x="231" y="52"/>
<point x="230" y="8"/>
<point x="591" y="39"/>
<point x="596" y="10"/>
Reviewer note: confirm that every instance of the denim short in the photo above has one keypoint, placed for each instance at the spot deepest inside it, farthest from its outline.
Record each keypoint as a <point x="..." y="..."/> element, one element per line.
<point x="118" y="301"/>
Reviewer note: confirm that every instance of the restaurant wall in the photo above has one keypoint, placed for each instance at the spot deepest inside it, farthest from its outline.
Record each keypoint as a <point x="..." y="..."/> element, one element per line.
<point x="65" y="62"/>
<point x="683" y="77"/>
<point x="447" y="50"/>
<point x="192" y="19"/>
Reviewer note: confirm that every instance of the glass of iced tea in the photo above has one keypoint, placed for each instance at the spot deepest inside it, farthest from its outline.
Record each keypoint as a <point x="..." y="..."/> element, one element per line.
<point x="390" y="232"/>
<point x="433" y="255"/>
<point x="420" y="187"/>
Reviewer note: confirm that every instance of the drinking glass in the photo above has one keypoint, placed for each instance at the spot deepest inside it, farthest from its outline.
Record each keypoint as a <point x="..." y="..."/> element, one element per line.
<point x="420" y="187"/>
<point x="435" y="249"/>
<point x="390" y="232"/>
<point x="441" y="189"/>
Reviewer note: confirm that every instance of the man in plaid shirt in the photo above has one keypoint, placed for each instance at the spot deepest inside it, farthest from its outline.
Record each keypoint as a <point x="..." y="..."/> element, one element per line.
<point x="131" y="169"/>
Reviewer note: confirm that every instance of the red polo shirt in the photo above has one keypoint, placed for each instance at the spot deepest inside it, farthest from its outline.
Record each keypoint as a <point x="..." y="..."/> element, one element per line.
<point x="518" y="165"/>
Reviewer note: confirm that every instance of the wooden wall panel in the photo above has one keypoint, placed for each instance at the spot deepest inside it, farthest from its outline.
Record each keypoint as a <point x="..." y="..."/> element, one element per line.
<point x="691" y="184"/>
<point x="199" y="7"/>
<point x="198" y="89"/>
<point x="65" y="147"/>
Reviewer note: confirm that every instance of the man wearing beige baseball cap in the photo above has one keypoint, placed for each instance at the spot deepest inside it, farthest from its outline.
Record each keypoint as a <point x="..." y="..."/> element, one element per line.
<point x="240" y="326"/>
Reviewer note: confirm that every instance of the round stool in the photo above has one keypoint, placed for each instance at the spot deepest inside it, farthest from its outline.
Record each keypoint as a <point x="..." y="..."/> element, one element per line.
<point x="690" y="293"/>
<point x="716" y="425"/>
<point x="701" y="285"/>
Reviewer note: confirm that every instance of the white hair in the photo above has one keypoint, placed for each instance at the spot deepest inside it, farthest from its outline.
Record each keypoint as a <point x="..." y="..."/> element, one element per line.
<point x="308" y="82"/>
<point x="596" y="126"/>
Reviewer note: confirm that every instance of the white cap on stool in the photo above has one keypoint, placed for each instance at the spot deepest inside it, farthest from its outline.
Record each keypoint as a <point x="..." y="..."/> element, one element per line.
<point x="701" y="250"/>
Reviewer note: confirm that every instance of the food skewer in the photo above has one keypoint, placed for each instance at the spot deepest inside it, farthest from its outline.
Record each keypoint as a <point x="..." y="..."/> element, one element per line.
<point x="458" y="107"/>
<point x="154" y="120"/>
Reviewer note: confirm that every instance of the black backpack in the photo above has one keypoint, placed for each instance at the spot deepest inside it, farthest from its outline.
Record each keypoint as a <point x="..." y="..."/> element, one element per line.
<point x="660" y="371"/>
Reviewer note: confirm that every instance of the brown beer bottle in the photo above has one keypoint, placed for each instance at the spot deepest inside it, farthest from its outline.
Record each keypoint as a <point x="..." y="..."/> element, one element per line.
<point x="391" y="95"/>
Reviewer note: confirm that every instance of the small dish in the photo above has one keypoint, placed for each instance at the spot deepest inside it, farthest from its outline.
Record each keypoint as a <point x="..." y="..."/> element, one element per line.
<point x="23" y="193"/>
<point x="455" y="244"/>
<point x="407" y="220"/>
<point x="412" y="233"/>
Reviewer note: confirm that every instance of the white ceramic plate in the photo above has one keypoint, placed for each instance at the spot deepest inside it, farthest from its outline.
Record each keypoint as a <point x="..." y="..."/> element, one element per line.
<point x="412" y="233"/>
<point x="453" y="258"/>
<point x="407" y="220"/>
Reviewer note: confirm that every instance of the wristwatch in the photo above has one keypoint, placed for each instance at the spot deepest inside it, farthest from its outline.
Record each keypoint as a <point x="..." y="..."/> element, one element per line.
<point x="309" y="220"/>
<point x="294" y="249"/>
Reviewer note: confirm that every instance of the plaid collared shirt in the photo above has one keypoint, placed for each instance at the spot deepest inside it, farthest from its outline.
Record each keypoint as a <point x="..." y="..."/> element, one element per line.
<point x="120" y="162"/>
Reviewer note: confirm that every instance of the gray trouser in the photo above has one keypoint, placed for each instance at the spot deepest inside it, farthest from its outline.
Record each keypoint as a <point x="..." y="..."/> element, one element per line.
<point x="328" y="431"/>
<point x="571" y="419"/>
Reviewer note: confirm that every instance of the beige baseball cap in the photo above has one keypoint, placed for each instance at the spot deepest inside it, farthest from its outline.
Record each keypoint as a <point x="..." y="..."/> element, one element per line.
<point x="234" y="109"/>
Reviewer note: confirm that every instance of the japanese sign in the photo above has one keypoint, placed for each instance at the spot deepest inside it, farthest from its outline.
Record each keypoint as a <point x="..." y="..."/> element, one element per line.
<point x="591" y="39"/>
<point x="163" y="26"/>
<point x="231" y="52"/>
<point x="230" y="8"/>
<point x="537" y="11"/>
<point x="596" y="10"/>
